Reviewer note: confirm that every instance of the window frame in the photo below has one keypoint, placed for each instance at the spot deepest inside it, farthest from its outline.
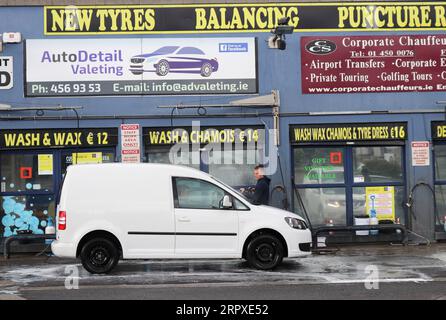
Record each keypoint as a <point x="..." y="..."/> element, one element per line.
<point x="176" y="201"/>
<point x="349" y="183"/>
<point x="437" y="182"/>
<point x="35" y="152"/>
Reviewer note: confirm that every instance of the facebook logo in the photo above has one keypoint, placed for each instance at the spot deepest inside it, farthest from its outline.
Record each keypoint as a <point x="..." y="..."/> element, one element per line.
<point x="233" y="47"/>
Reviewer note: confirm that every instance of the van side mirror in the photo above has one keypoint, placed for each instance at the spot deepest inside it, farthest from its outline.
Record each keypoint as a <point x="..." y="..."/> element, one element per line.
<point x="227" y="202"/>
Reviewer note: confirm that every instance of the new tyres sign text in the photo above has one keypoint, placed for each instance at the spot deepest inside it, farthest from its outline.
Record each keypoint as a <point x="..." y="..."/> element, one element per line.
<point x="83" y="67"/>
<point x="199" y="18"/>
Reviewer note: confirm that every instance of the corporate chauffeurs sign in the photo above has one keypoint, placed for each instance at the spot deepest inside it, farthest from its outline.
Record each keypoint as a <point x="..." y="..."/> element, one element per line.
<point x="175" y="66"/>
<point x="373" y="64"/>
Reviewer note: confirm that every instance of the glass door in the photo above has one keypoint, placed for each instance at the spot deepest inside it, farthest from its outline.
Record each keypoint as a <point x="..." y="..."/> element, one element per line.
<point x="320" y="178"/>
<point x="379" y="182"/>
<point x="339" y="183"/>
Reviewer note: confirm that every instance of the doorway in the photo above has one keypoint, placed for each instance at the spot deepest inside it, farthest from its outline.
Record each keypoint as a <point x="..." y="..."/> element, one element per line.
<point x="338" y="183"/>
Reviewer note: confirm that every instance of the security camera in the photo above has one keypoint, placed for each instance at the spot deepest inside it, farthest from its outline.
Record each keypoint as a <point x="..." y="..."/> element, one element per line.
<point x="279" y="30"/>
<point x="283" y="27"/>
<point x="283" y="21"/>
<point x="278" y="40"/>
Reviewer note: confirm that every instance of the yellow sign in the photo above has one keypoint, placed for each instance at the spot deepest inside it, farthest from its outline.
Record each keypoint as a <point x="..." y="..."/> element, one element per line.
<point x="60" y="138"/>
<point x="87" y="157"/>
<point x="349" y="132"/>
<point x="243" y="17"/>
<point x="161" y="136"/>
<point x="45" y="164"/>
<point x="382" y="200"/>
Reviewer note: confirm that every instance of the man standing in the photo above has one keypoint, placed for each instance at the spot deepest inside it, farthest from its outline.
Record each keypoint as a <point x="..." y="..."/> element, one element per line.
<point x="261" y="193"/>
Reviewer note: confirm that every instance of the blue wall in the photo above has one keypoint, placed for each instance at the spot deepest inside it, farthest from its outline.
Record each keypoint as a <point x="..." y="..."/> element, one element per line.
<point x="277" y="70"/>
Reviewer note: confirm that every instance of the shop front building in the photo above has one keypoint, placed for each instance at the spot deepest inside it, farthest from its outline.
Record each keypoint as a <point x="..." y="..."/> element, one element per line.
<point x="349" y="115"/>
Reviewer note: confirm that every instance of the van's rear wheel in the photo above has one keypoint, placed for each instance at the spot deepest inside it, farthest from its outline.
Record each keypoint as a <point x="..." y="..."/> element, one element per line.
<point x="99" y="255"/>
<point x="264" y="252"/>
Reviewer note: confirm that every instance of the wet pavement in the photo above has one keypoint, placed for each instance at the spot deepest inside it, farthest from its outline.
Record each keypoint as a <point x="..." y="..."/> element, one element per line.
<point x="350" y="267"/>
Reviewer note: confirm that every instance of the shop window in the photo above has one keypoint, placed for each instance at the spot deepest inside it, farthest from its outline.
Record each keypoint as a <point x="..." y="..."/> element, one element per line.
<point x="337" y="184"/>
<point x="182" y="157"/>
<point x="318" y="165"/>
<point x="85" y="157"/>
<point x="234" y="167"/>
<point x="440" y="198"/>
<point x="324" y="205"/>
<point x="377" y="164"/>
<point x="26" y="172"/>
<point x="33" y="212"/>
<point x="440" y="186"/>
<point x="440" y="162"/>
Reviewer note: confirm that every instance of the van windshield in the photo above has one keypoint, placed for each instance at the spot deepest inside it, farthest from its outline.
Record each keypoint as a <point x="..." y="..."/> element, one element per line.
<point x="235" y="191"/>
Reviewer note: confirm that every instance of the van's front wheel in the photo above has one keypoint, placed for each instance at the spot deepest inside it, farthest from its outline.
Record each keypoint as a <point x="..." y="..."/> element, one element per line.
<point x="99" y="255"/>
<point x="265" y="252"/>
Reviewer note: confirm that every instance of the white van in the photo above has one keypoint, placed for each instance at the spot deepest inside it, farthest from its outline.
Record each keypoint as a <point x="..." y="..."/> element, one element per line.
<point x="109" y="212"/>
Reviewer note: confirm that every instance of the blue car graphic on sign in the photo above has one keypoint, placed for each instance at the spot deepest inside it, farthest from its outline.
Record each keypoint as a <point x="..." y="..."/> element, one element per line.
<point x="174" y="59"/>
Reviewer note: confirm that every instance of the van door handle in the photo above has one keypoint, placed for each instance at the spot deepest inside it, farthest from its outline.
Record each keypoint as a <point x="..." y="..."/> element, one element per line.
<point x="184" y="219"/>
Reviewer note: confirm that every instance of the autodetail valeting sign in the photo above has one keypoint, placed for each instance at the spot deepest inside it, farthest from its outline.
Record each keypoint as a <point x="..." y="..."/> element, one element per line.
<point x="373" y="64"/>
<point x="175" y="66"/>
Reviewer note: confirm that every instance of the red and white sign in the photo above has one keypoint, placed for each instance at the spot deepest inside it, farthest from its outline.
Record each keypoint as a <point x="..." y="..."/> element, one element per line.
<point x="130" y="143"/>
<point x="373" y="64"/>
<point x="420" y="153"/>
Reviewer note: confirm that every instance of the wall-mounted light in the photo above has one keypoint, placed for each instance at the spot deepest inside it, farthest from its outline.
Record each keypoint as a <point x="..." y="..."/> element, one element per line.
<point x="10" y="37"/>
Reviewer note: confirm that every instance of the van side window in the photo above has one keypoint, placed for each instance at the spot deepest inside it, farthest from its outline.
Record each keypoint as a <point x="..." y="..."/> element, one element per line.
<point x="197" y="194"/>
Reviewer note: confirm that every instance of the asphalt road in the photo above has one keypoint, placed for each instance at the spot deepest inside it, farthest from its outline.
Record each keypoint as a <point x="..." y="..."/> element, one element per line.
<point x="352" y="273"/>
<point x="386" y="291"/>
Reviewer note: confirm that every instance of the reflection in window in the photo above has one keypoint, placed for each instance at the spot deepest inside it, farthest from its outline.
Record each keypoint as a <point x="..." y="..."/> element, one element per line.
<point x="377" y="164"/>
<point x="318" y="165"/>
<point x="183" y="157"/>
<point x="198" y="194"/>
<point x="323" y="205"/>
<point x="234" y="167"/>
<point x="33" y="213"/>
<point x="67" y="159"/>
<point x="440" y="198"/>
<point x="26" y="172"/>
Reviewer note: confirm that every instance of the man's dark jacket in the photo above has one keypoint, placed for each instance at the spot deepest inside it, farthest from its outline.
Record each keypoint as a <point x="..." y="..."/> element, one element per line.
<point x="261" y="194"/>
